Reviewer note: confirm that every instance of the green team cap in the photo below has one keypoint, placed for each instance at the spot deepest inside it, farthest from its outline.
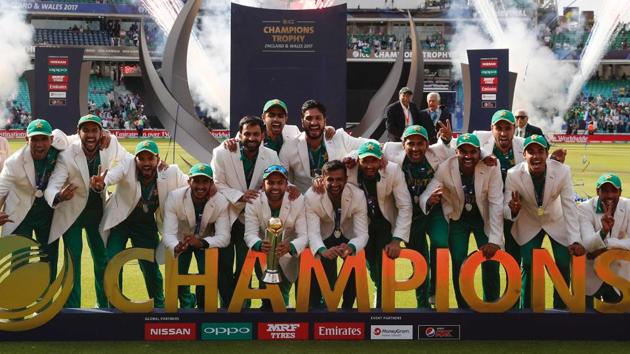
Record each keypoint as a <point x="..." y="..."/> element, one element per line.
<point x="503" y="114"/>
<point x="370" y="148"/>
<point x="275" y="169"/>
<point x="467" y="138"/>
<point x="609" y="178"/>
<point x="147" y="145"/>
<point x="38" y="127"/>
<point x="201" y="169"/>
<point x="90" y="118"/>
<point x="415" y="130"/>
<point x="536" y="139"/>
<point x="275" y="102"/>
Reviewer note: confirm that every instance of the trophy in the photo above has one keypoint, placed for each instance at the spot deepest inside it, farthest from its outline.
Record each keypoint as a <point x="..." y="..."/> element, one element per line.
<point x="274" y="235"/>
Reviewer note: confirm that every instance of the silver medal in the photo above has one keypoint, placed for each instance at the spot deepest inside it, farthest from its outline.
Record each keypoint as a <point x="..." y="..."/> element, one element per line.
<point x="337" y="233"/>
<point x="416" y="199"/>
<point x="145" y="208"/>
<point x="39" y="193"/>
<point x="468" y="206"/>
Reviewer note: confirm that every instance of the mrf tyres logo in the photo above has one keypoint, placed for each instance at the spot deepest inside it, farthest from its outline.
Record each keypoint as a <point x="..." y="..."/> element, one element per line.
<point x="391" y="332"/>
<point x="439" y="332"/>
<point x="170" y="331"/>
<point x="226" y="331"/>
<point x="282" y="330"/>
<point x="339" y="330"/>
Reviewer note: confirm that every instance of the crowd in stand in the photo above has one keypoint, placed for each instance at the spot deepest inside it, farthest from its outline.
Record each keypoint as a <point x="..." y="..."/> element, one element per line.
<point x="369" y="43"/>
<point x="604" y="115"/>
<point x="15" y="116"/>
<point x="121" y="112"/>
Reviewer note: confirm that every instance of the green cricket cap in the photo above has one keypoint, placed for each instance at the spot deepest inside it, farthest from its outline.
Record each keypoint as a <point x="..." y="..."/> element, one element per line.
<point x="415" y="130"/>
<point x="370" y="148"/>
<point x="201" y="169"/>
<point x="468" y="138"/>
<point x="275" y="102"/>
<point x="147" y="145"/>
<point x="535" y="139"/>
<point x="275" y="169"/>
<point x="503" y="114"/>
<point x="609" y="178"/>
<point x="38" y="127"/>
<point x="90" y="118"/>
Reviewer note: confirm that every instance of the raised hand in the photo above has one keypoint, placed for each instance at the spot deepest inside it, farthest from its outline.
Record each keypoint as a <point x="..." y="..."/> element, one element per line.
<point x="294" y="192"/>
<point x="349" y="162"/>
<point x="106" y="138"/>
<point x="329" y="132"/>
<point x="318" y="185"/>
<point x="97" y="182"/>
<point x="608" y="221"/>
<point x="559" y="155"/>
<point x="230" y="144"/>
<point x="515" y="204"/>
<point x="67" y="192"/>
<point x="445" y="132"/>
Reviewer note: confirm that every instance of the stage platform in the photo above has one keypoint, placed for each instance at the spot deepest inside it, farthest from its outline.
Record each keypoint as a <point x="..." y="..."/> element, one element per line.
<point x="105" y="325"/>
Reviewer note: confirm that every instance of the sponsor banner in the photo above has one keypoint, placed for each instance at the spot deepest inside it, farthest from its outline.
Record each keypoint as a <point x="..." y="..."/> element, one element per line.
<point x="339" y="331"/>
<point x="391" y="55"/>
<point x="488" y="64"/>
<point x="170" y="331"/>
<point x="489" y="97"/>
<point x="227" y="331"/>
<point x="491" y="81"/>
<point x="57" y="94"/>
<point x="32" y="6"/>
<point x="439" y="332"/>
<point x="59" y="61"/>
<point x="57" y="102"/>
<point x="220" y="134"/>
<point x="57" y="78"/>
<point x="57" y="87"/>
<point x="282" y="330"/>
<point x="391" y="332"/>
<point x="489" y="72"/>
<point x="53" y="70"/>
<point x="596" y="138"/>
<point x="488" y="89"/>
<point x="488" y="104"/>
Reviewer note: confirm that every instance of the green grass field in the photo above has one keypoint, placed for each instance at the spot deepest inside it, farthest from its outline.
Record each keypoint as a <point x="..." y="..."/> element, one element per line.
<point x="597" y="159"/>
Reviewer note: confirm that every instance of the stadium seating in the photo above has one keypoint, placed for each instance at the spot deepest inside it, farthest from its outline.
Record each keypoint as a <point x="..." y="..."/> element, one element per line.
<point x="126" y="2"/>
<point x="68" y="37"/>
<point x="605" y="88"/>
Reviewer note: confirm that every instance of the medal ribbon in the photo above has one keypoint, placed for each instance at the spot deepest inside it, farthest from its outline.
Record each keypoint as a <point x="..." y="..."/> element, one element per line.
<point x="469" y="190"/>
<point x="311" y="160"/>
<point x="338" y="220"/>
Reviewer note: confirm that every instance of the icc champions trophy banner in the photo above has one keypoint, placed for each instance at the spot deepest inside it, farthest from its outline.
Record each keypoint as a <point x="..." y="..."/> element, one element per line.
<point x="293" y="55"/>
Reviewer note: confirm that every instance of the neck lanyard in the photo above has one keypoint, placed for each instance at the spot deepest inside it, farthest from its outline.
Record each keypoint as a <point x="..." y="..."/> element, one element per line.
<point x="146" y="194"/>
<point x="198" y="221"/>
<point x="337" y="231"/>
<point x="540" y="196"/>
<point x="469" y="192"/>
<point x="371" y="200"/>
<point x="250" y="174"/>
<point x="315" y="170"/>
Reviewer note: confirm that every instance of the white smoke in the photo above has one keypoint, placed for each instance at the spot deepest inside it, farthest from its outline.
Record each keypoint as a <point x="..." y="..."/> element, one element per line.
<point x="14" y="45"/>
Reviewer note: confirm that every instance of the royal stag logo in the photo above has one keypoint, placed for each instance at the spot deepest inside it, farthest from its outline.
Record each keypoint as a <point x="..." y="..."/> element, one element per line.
<point x="28" y="298"/>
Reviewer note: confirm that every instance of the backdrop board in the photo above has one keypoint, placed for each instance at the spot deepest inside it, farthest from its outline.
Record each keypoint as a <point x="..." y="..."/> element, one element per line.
<point x="489" y="83"/>
<point x="58" y="87"/>
<point x="293" y="55"/>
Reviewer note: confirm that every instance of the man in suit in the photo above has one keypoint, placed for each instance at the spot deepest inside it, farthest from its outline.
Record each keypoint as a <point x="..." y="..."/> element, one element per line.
<point x="305" y="156"/>
<point x="605" y="225"/>
<point x="388" y="205"/>
<point x="196" y="217"/>
<point x="238" y="176"/>
<point x="135" y="210"/>
<point x="22" y="183"/>
<point x="401" y="114"/>
<point x="79" y="207"/>
<point x="337" y="227"/>
<point x="471" y="200"/>
<point x="418" y="162"/>
<point x="435" y="117"/>
<point x="539" y="200"/>
<point x="274" y="202"/>
<point x="524" y="129"/>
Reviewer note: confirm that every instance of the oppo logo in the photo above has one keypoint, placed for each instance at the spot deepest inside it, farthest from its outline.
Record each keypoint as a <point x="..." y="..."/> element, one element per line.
<point x="226" y="331"/>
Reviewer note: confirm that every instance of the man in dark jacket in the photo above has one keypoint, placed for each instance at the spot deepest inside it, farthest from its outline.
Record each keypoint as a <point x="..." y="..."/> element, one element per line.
<point x="434" y="117"/>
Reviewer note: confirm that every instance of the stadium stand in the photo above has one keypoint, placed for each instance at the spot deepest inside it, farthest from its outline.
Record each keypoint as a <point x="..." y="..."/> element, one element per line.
<point x="70" y="37"/>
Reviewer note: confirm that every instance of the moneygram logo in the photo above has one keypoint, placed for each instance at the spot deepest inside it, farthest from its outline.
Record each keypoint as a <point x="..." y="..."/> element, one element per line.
<point x="226" y="331"/>
<point x="170" y="331"/>
<point x="439" y="332"/>
<point x="391" y="332"/>
<point x="339" y="330"/>
<point x="282" y="330"/>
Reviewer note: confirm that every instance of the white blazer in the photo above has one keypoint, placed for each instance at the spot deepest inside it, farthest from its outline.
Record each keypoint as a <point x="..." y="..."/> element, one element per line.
<point x="486" y="140"/>
<point x="560" y="220"/>
<point x="320" y="217"/>
<point x="229" y="175"/>
<point x="180" y="218"/>
<point x="128" y="192"/>
<point x="4" y="151"/>
<point x="294" y="155"/>
<point x="488" y="195"/>
<point x="435" y="154"/>
<point x="292" y="214"/>
<point x="619" y="237"/>
<point x="394" y="199"/>
<point x="72" y="168"/>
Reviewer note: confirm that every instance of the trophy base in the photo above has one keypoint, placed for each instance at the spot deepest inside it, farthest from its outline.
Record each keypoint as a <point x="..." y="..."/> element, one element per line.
<point x="271" y="277"/>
